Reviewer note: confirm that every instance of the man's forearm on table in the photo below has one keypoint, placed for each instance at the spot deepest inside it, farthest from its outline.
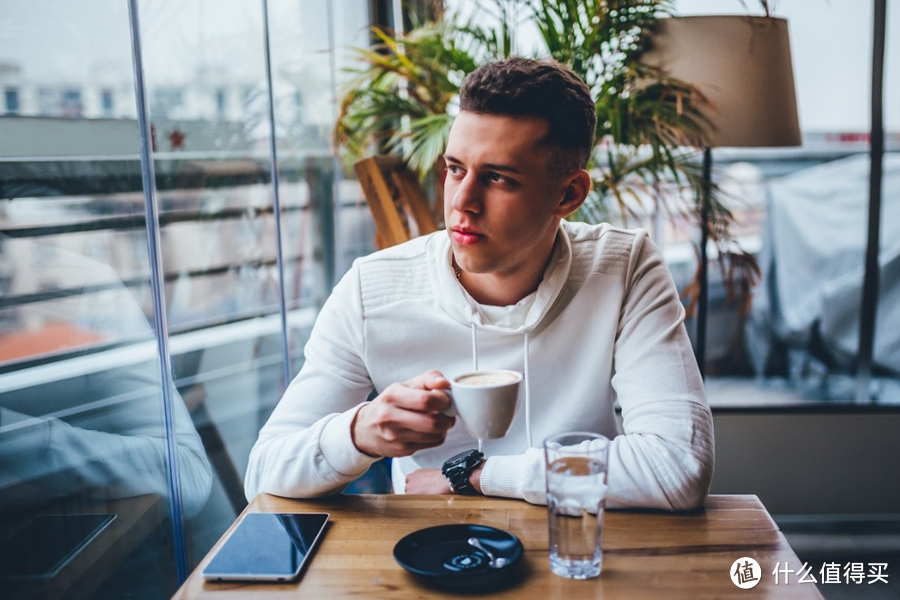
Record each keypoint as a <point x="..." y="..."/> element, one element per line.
<point x="315" y="461"/>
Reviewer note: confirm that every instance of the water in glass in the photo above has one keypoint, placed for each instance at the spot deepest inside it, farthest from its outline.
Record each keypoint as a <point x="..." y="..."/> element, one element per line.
<point x="575" y="492"/>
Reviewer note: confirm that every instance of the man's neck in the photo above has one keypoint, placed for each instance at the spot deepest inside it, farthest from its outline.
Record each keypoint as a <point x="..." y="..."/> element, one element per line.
<point x="504" y="289"/>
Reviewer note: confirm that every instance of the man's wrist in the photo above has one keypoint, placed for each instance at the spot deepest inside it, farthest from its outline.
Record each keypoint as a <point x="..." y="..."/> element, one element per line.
<point x="475" y="478"/>
<point x="354" y="434"/>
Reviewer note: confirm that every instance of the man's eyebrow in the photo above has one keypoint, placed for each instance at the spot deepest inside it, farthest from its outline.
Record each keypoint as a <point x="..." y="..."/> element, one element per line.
<point x="501" y="167"/>
<point x="488" y="166"/>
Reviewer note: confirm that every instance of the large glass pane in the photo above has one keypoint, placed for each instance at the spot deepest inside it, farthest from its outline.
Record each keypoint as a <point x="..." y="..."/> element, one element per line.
<point x="81" y="429"/>
<point x="205" y="68"/>
<point x="309" y="44"/>
<point x="311" y="57"/>
<point x="78" y="357"/>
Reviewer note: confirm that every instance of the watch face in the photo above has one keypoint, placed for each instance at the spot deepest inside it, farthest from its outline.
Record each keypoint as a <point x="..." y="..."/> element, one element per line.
<point x="461" y="457"/>
<point x="463" y="461"/>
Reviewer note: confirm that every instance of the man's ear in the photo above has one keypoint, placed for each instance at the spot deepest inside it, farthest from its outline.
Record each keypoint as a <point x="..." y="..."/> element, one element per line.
<point x="578" y="185"/>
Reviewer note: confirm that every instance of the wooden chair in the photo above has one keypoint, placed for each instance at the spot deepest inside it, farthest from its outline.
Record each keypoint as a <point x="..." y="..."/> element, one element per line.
<point x="398" y="206"/>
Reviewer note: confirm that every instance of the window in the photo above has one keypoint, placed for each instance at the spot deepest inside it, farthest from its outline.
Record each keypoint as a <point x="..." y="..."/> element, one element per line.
<point x="11" y="96"/>
<point x="70" y="103"/>
<point x="220" y="103"/>
<point x="78" y="356"/>
<point x="106" y="101"/>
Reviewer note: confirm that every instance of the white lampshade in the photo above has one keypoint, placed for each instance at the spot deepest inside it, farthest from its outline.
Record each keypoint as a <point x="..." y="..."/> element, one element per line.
<point x="743" y="65"/>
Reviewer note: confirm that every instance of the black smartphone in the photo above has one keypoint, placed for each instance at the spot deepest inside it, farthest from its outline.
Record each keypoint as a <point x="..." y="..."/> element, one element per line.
<point x="47" y="543"/>
<point x="267" y="547"/>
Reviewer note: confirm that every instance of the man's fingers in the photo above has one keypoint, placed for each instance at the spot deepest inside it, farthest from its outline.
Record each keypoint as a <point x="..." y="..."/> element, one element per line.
<point x="405" y="417"/>
<point x="398" y="449"/>
<point x="436" y="401"/>
<point x="429" y="422"/>
<point x="404" y="442"/>
<point x="429" y="380"/>
<point x="417" y="399"/>
<point x="421" y="439"/>
<point x="397" y="420"/>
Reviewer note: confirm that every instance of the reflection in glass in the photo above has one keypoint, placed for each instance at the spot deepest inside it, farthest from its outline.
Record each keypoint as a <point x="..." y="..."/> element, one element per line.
<point x="80" y="401"/>
<point x="80" y="398"/>
<point x="81" y="431"/>
<point x="90" y="429"/>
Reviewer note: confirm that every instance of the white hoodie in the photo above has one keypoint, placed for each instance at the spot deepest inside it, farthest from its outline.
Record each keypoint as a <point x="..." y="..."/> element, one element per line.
<point x="605" y="325"/>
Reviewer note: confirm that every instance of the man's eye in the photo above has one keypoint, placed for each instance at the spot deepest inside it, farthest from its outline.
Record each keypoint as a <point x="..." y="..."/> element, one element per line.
<point x="498" y="178"/>
<point x="454" y="169"/>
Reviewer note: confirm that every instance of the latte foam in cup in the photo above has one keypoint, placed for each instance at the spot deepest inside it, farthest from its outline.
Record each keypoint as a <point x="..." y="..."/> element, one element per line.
<point x="488" y="378"/>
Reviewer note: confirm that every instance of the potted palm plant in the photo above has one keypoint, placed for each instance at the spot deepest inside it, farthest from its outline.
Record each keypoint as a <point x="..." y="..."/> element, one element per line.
<point x="402" y="100"/>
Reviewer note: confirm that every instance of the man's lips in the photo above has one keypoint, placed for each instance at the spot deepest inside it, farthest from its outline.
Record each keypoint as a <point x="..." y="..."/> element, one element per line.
<point x="462" y="235"/>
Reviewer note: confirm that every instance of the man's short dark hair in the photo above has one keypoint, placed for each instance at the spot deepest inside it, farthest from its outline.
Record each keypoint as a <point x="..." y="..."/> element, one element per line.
<point x="545" y="89"/>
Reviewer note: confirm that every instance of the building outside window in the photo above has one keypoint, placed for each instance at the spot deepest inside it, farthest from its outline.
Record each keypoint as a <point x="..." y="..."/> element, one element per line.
<point x="167" y="101"/>
<point x="106" y="102"/>
<point x="221" y="103"/>
<point x="70" y="103"/>
<point x="11" y="100"/>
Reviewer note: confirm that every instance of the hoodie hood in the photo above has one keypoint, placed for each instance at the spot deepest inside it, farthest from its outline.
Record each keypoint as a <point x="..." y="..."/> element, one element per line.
<point x="454" y="300"/>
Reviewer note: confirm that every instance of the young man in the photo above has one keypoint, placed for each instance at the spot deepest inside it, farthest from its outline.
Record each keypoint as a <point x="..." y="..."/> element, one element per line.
<point x="589" y="313"/>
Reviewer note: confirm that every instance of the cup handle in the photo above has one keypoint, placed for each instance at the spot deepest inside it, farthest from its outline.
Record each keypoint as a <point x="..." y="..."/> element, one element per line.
<point x="450" y="412"/>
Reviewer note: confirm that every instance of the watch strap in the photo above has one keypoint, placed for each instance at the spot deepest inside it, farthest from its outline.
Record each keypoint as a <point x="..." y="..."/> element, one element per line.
<point x="458" y="469"/>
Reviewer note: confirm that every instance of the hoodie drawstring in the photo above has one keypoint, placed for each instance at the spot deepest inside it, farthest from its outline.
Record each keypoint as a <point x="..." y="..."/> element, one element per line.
<point x="474" y="348"/>
<point x="527" y="395"/>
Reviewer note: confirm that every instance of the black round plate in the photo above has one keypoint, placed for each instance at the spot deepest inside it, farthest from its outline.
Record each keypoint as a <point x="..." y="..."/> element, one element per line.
<point x="442" y="556"/>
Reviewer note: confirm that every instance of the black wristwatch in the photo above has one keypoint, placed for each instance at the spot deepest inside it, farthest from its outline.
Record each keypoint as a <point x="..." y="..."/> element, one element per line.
<point x="458" y="469"/>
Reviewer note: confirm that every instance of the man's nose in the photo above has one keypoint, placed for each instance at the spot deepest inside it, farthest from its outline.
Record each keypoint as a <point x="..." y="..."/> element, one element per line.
<point x="466" y="195"/>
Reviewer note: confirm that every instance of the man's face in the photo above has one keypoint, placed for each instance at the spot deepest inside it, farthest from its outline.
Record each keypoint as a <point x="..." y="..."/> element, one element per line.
<point x="501" y="204"/>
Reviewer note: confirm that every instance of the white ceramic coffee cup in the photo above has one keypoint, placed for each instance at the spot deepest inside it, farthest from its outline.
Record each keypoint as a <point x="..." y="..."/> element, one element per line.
<point x="486" y="401"/>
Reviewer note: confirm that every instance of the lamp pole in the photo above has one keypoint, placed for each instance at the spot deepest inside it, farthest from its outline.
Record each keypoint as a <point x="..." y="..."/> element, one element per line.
<point x="703" y="287"/>
<point x="869" y="301"/>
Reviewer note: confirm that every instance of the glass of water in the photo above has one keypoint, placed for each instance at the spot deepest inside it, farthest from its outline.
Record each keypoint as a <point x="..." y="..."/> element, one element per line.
<point x="576" y="492"/>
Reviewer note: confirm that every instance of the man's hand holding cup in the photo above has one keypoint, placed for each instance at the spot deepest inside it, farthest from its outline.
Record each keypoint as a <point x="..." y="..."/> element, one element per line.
<point x="405" y="417"/>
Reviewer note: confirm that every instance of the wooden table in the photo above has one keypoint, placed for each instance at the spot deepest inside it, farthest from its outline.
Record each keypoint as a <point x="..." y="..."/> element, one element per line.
<point x="647" y="554"/>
